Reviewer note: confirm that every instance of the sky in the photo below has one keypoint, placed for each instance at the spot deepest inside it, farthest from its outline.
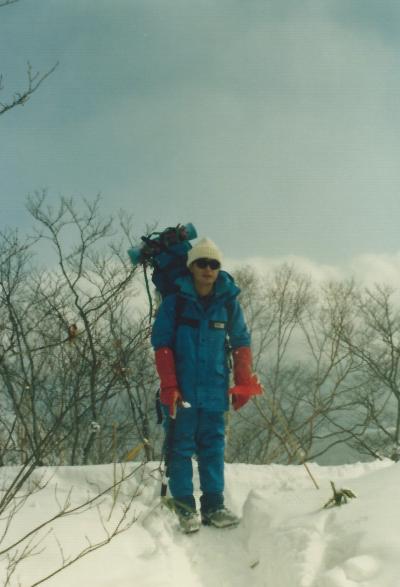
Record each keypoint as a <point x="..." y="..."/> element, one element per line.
<point x="272" y="125"/>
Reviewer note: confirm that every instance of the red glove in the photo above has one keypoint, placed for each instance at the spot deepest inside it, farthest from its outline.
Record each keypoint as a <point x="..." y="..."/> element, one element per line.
<point x="171" y="397"/>
<point x="246" y="382"/>
<point x="169" y="391"/>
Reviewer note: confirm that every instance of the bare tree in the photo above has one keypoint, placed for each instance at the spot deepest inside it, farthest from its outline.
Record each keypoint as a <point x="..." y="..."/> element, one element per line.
<point x="78" y="364"/>
<point x="76" y="372"/>
<point x="269" y="429"/>
<point x="374" y="342"/>
<point x="306" y="371"/>
<point x="77" y="377"/>
<point x="333" y="369"/>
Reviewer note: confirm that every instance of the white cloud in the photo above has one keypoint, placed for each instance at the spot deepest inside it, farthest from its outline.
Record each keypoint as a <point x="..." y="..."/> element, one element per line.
<point x="371" y="269"/>
<point x="368" y="269"/>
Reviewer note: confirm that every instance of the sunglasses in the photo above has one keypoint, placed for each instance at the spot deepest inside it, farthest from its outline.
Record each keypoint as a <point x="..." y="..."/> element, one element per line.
<point x="211" y="263"/>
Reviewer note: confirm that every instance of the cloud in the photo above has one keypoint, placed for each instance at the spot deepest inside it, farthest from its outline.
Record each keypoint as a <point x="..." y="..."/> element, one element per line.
<point x="376" y="269"/>
<point x="368" y="270"/>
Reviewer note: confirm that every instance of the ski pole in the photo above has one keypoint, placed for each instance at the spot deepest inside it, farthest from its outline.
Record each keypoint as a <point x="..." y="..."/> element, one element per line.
<point x="168" y="445"/>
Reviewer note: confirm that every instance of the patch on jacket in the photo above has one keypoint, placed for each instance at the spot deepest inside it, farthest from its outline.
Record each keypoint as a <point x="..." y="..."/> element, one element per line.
<point x="217" y="325"/>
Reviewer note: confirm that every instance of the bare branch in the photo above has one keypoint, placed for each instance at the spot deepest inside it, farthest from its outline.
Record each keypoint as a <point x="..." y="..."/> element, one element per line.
<point x="7" y="2"/>
<point x="35" y="79"/>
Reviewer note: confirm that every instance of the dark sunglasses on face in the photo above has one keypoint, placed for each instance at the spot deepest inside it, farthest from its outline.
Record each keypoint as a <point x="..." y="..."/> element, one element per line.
<point x="211" y="263"/>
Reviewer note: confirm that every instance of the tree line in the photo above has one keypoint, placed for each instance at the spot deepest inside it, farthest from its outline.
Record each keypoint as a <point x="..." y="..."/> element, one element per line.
<point x="77" y="377"/>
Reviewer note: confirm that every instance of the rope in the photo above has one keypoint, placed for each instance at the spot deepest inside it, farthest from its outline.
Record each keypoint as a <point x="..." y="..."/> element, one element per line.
<point x="146" y="279"/>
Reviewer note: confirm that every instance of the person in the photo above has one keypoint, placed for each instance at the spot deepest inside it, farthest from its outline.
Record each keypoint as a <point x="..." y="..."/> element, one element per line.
<point x="189" y="337"/>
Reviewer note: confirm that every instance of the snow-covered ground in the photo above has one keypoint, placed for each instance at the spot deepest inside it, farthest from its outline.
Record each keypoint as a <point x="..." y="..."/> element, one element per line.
<point x="286" y="538"/>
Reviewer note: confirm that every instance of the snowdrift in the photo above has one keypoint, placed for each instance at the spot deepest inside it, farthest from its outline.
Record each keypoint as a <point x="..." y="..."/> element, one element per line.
<point x="286" y="538"/>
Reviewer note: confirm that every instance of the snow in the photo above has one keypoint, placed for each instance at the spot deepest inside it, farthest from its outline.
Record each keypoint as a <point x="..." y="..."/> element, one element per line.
<point x="286" y="537"/>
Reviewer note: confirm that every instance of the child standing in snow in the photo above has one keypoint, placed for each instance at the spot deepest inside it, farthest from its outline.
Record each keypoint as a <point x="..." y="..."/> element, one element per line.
<point x="189" y="338"/>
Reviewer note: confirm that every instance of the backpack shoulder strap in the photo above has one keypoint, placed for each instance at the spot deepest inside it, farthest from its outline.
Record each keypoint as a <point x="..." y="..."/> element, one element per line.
<point x="229" y="305"/>
<point x="179" y="310"/>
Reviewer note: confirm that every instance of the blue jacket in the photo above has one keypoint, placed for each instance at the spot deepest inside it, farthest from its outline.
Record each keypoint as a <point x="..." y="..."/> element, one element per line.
<point x="198" y="339"/>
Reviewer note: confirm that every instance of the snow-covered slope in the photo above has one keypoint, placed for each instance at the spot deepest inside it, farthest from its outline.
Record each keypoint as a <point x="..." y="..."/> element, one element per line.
<point x="286" y="538"/>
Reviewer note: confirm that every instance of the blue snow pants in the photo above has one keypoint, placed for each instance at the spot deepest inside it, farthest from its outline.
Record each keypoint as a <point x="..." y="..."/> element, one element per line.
<point x="202" y="433"/>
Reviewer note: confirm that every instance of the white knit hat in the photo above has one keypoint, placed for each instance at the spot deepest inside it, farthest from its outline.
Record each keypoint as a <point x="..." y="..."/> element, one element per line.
<point x="205" y="248"/>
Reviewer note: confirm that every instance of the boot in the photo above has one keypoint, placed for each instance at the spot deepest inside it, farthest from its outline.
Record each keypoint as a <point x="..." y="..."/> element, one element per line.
<point x="188" y="521"/>
<point x="220" y="518"/>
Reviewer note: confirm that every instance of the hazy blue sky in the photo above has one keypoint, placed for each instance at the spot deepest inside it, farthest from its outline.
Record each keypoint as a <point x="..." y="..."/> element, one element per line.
<point x="274" y="126"/>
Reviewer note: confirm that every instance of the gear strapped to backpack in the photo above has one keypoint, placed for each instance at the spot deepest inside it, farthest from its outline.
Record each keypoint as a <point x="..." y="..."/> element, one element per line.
<point x="166" y="253"/>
